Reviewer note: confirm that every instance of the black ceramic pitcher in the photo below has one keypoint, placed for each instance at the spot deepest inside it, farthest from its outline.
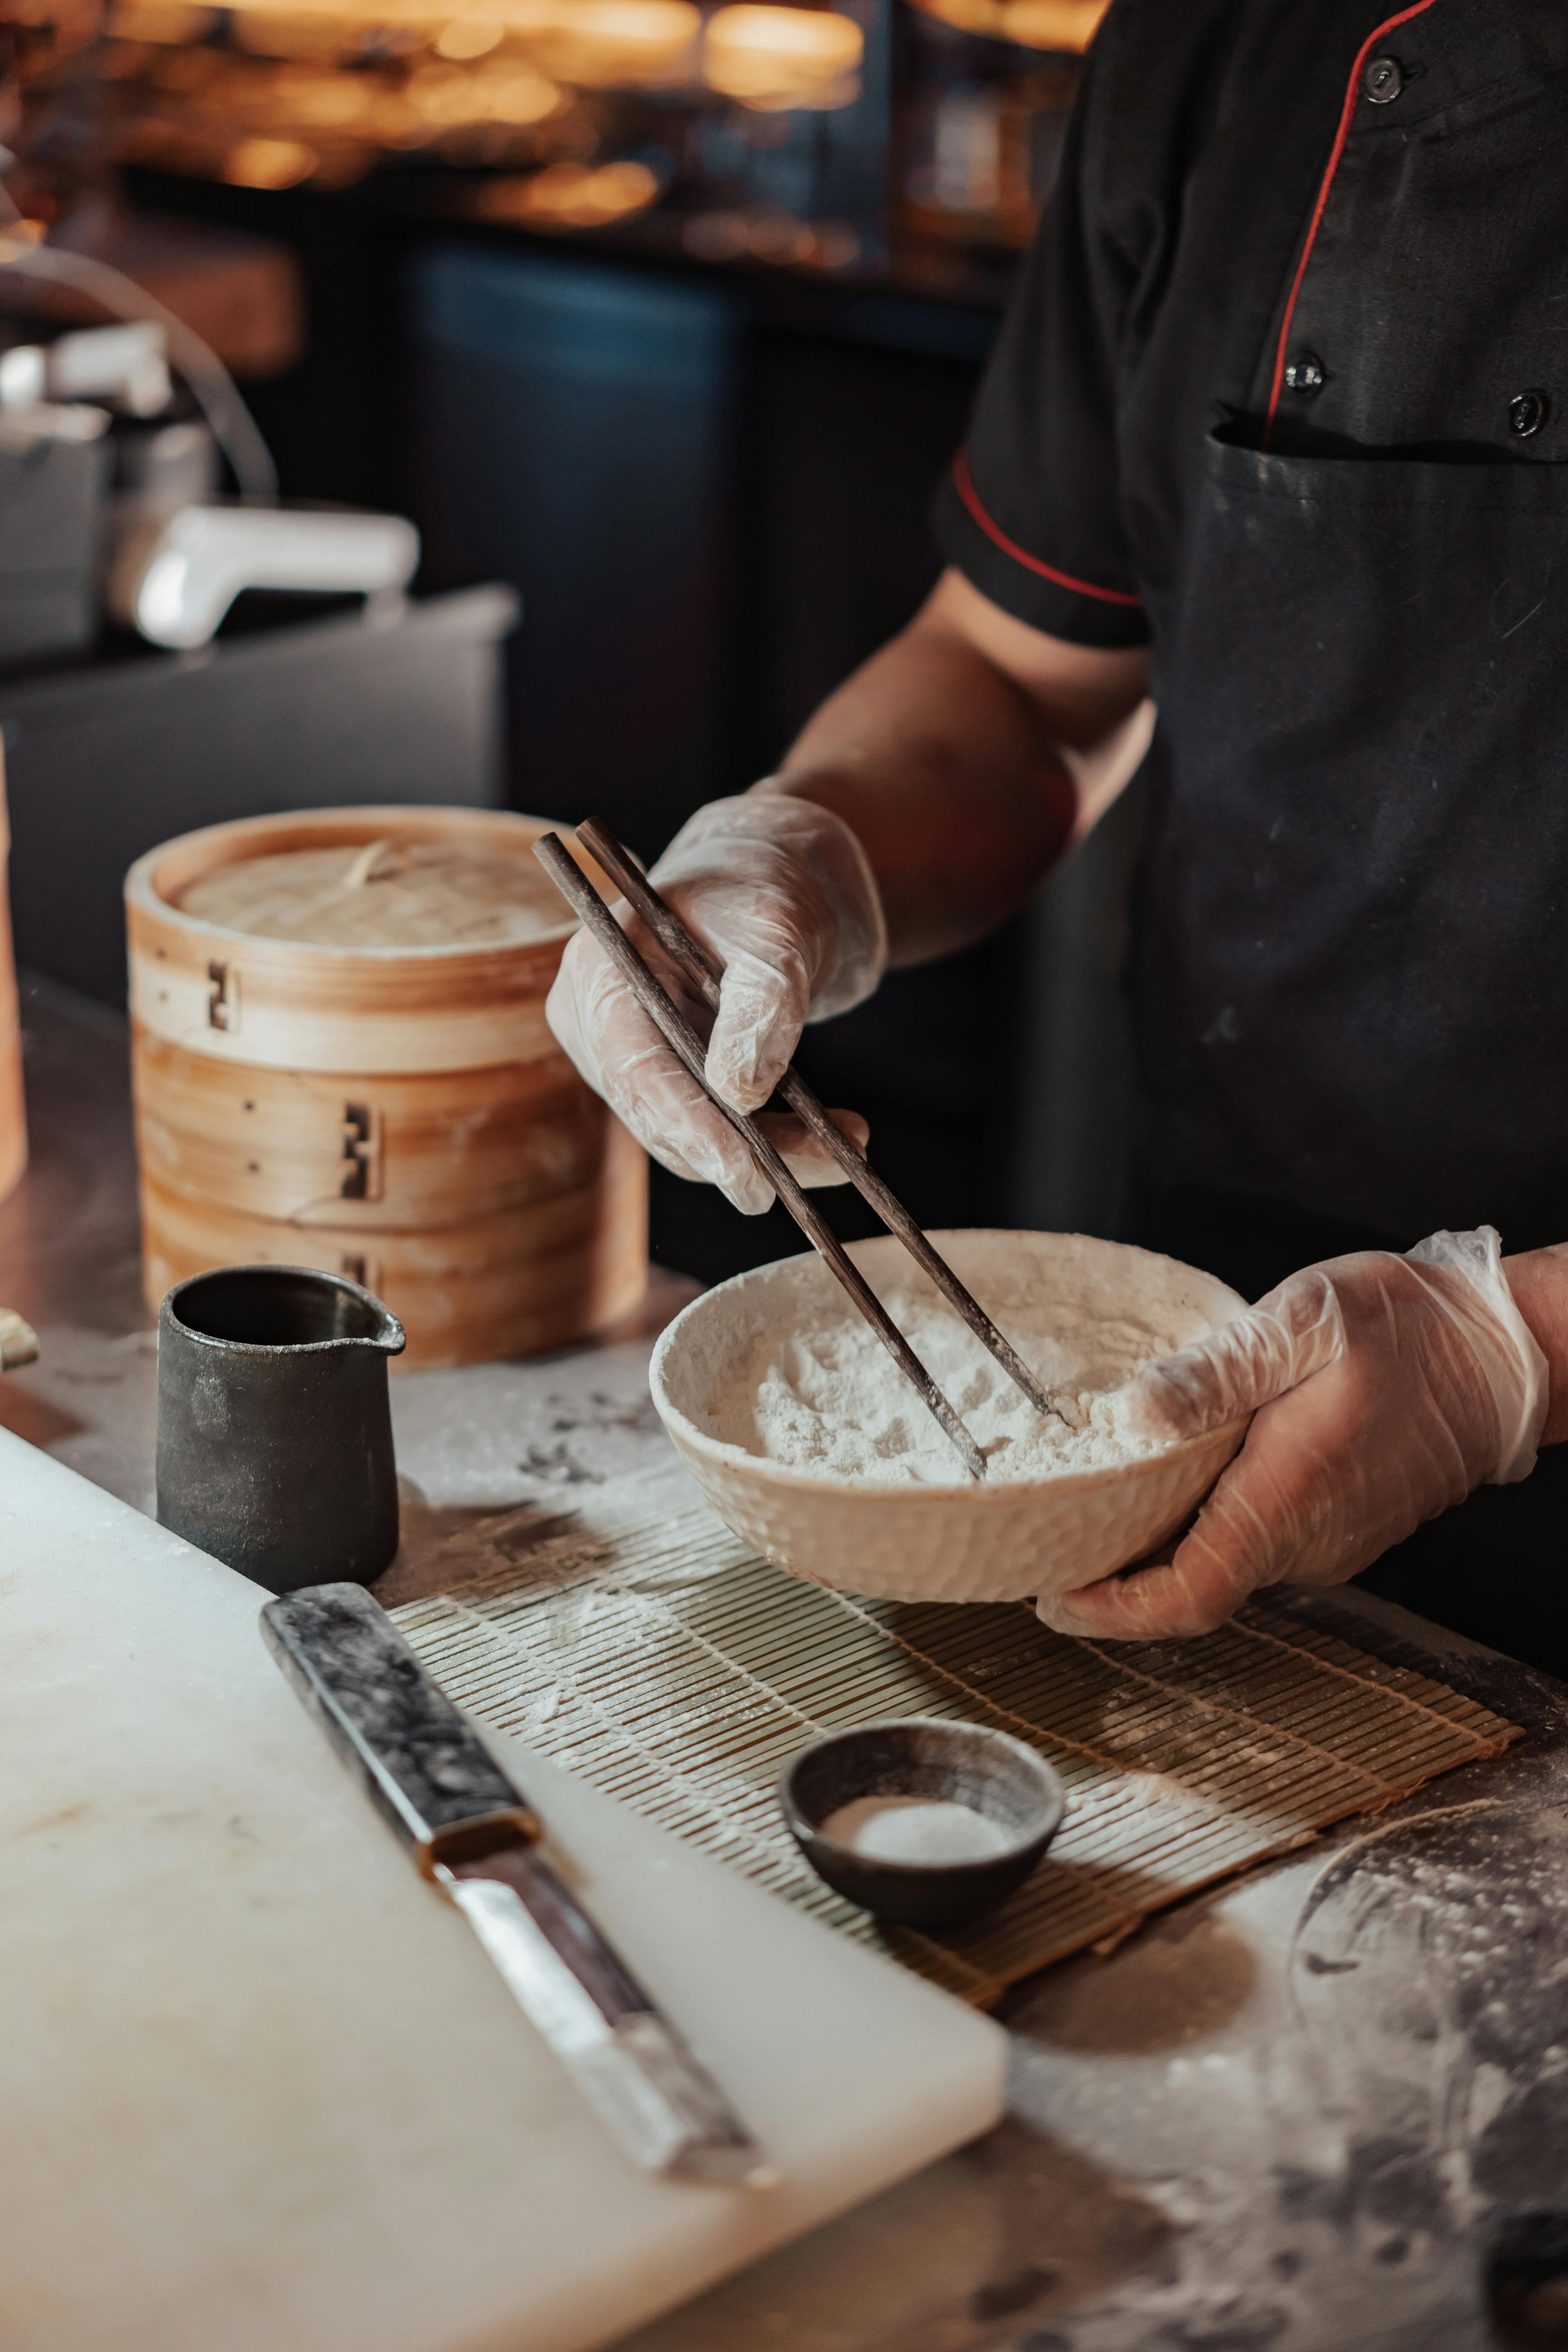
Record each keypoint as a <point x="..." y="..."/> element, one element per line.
<point x="274" y="1426"/>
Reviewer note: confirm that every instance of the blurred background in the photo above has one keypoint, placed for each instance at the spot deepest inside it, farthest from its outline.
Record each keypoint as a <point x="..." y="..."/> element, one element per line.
<point x="660" y="322"/>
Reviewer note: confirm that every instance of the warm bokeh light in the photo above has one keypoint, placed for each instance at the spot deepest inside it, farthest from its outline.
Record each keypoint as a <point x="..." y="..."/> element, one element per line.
<point x="470" y="36"/>
<point x="309" y="28"/>
<point x="268" y="93"/>
<point x="158" y="21"/>
<point x="1069" y="24"/>
<point x="1060" y="25"/>
<point x="268" y="163"/>
<point x="768" y="234"/>
<point x="629" y="43"/>
<point x="504" y="92"/>
<point x="767" y="55"/>
<point x="573" y="195"/>
<point x="303" y="96"/>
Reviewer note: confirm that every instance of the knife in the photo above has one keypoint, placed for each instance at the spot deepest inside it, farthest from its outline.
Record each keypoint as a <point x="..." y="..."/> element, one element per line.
<point x="473" y="1834"/>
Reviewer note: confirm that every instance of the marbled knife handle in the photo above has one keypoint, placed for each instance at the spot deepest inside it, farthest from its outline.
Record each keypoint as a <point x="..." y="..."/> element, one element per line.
<point x="459" y="1813"/>
<point x="421" y="1764"/>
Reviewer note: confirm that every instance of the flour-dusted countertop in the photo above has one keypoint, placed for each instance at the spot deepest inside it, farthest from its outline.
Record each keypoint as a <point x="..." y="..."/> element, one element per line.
<point x="1286" y="2116"/>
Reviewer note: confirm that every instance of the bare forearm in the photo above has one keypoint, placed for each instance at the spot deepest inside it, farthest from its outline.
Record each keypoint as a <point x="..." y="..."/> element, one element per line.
<point x="942" y="769"/>
<point x="945" y="754"/>
<point x="1539" y="1281"/>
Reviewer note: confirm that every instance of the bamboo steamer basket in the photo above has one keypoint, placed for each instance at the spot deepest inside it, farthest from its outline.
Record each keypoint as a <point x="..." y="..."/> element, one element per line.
<point x="13" y="1117"/>
<point x="400" y="1114"/>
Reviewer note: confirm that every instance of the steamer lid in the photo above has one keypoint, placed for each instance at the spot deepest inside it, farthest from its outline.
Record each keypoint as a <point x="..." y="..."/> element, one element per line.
<point x="388" y="893"/>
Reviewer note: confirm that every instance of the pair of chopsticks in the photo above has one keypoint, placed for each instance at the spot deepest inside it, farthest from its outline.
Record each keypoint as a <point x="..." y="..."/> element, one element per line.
<point x="704" y="974"/>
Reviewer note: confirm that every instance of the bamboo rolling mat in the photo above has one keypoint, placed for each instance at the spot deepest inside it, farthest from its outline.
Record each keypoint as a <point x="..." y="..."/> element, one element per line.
<point x="680" y="1672"/>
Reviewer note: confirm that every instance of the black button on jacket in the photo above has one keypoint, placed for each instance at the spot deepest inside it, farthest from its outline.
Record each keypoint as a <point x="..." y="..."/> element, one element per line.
<point x="1284" y="393"/>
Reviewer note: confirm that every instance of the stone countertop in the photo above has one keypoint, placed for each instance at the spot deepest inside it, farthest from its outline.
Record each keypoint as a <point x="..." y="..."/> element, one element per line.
<point x="1291" y="2114"/>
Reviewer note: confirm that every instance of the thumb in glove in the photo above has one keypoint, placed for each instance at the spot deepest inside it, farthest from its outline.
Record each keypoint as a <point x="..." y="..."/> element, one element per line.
<point x="1382" y="1388"/>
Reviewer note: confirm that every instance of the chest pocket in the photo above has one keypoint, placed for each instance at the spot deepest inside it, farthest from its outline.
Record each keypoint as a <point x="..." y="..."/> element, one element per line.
<point x="1425" y="311"/>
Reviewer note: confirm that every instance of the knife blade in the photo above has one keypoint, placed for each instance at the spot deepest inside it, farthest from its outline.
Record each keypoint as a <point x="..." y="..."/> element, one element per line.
<point x="473" y="1834"/>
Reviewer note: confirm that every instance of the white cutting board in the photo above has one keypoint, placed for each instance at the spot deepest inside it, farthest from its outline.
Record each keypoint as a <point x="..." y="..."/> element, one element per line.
<point x="259" y="2089"/>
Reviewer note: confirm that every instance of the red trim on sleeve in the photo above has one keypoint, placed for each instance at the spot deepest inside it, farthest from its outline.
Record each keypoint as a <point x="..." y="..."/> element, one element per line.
<point x="1347" y="113"/>
<point x="966" y="490"/>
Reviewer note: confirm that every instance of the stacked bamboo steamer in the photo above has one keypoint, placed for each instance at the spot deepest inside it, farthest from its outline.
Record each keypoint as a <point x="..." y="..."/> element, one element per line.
<point x="398" y="1114"/>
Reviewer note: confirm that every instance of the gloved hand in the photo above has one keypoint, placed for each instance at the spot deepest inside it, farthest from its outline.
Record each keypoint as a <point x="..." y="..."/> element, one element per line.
<point x="1382" y="1389"/>
<point x="781" y="892"/>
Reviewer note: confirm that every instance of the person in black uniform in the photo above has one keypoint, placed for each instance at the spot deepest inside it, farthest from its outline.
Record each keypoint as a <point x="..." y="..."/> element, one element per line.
<point x="1276" y="434"/>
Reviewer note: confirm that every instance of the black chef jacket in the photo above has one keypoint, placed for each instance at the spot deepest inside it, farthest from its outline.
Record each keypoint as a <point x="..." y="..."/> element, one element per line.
<point x="1284" y="394"/>
<point x="1210" y="138"/>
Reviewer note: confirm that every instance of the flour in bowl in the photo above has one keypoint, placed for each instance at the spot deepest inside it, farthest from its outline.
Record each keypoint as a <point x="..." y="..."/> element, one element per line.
<point x="826" y="1396"/>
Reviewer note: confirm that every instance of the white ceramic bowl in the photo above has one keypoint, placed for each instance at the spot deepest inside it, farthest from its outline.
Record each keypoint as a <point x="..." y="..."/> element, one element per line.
<point x="1011" y="1541"/>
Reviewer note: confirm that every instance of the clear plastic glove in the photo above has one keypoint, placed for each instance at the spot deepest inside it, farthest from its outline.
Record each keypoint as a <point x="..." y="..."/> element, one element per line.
<point x="781" y="892"/>
<point x="1382" y="1389"/>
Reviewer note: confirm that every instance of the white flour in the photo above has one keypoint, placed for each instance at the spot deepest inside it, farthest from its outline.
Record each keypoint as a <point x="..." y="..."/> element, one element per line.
<point x="829" y="1399"/>
<point x="915" y="1829"/>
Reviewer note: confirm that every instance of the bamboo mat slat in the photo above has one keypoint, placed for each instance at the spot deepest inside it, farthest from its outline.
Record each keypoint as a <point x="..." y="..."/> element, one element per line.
<point x="679" y="1672"/>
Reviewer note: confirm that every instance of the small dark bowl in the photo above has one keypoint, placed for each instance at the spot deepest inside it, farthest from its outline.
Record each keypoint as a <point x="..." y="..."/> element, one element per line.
<point x="920" y="1757"/>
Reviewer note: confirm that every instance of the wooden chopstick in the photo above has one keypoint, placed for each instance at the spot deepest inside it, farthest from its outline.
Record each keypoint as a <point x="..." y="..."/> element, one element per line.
<point x="705" y="973"/>
<point x="677" y="1032"/>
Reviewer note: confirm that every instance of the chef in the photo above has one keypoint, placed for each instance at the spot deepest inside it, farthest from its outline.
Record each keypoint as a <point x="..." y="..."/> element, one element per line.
<point x="1276" y="433"/>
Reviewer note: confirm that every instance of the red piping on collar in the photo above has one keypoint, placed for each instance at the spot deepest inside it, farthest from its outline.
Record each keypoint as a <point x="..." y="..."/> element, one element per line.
<point x="967" y="492"/>
<point x="1346" y="113"/>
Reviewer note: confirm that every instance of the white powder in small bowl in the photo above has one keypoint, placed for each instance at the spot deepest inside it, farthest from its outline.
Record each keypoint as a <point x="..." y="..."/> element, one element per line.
<point x="915" y="1829"/>
<point x="826" y="1396"/>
